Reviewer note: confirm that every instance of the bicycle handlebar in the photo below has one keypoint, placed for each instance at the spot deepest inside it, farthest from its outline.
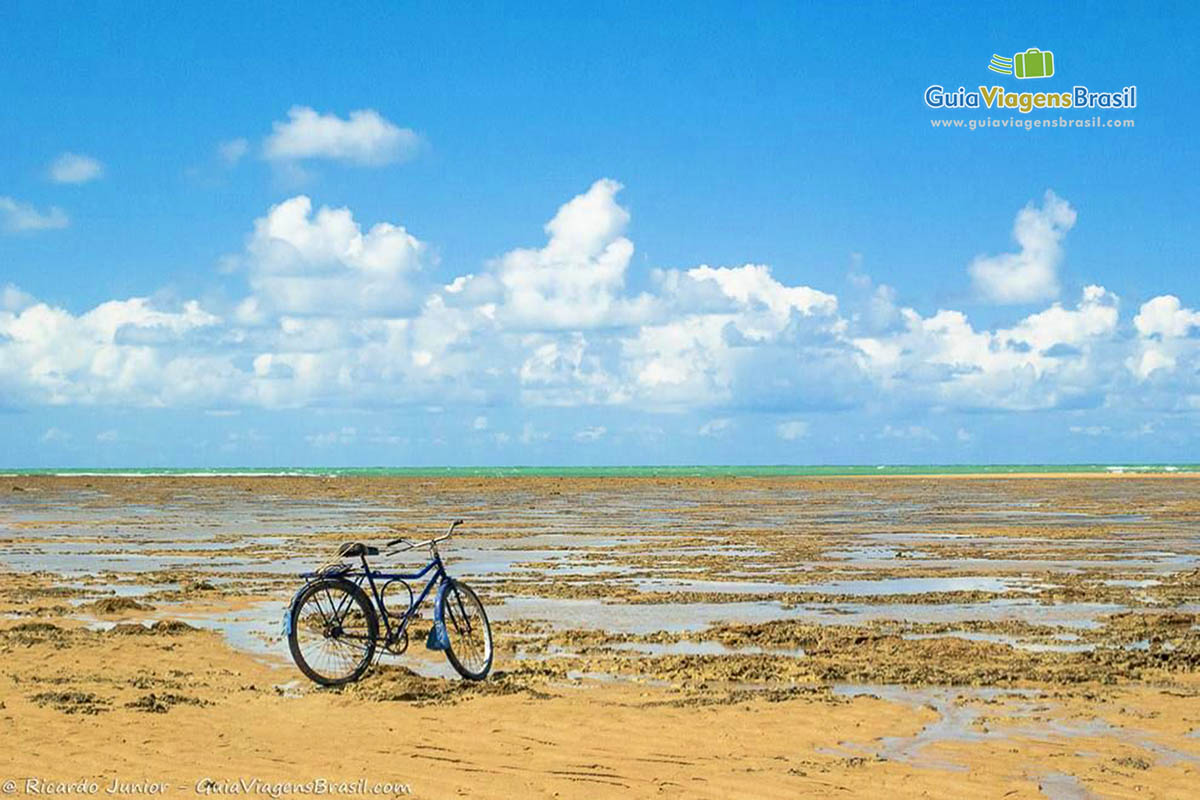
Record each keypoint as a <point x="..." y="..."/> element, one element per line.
<point x="427" y="542"/>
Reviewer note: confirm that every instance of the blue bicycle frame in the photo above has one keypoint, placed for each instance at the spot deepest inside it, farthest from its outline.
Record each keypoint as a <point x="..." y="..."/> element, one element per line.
<point x="437" y="638"/>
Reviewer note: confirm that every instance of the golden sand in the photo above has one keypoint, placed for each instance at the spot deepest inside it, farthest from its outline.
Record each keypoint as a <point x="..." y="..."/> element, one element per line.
<point x="1062" y="662"/>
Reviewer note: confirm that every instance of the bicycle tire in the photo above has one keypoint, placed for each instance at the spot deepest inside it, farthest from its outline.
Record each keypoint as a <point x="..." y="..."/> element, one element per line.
<point x="368" y="637"/>
<point x="458" y="604"/>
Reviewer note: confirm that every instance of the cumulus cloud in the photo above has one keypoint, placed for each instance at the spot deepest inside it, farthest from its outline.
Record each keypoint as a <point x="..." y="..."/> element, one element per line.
<point x="1166" y="318"/>
<point x="18" y="217"/>
<point x="1031" y="274"/>
<point x="75" y="168"/>
<point x="364" y="138"/>
<point x="338" y="313"/>
<point x="1164" y="327"/>
<point x="876" y="310"/>
<point x="114" y="354"/>
<point x="565" y="370"/>
<point x="722" y="325"/>
<point x="1053" y="358"/>
<point x="325" y="264"/>
<point x="575" y="281"/>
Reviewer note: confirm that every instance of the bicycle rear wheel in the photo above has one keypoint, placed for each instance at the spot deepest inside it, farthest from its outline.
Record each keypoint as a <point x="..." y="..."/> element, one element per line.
<point x="333" y="631"/>
<point x="470" y="634"/>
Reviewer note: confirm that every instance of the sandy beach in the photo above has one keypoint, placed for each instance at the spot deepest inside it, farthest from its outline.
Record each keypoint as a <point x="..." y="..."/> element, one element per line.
<point x="1015" y="636"/>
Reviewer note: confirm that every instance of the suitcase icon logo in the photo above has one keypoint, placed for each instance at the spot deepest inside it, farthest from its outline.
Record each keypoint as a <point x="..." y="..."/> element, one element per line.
<point x="1033" y="63"/>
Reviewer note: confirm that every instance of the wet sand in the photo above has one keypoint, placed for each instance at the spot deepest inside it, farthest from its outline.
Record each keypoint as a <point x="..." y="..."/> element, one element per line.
<point x="1021" y="636"/>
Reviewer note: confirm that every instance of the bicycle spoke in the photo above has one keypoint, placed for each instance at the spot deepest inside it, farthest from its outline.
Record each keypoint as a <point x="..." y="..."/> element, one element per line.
<point x="470" y="639"/>
<point x="333" y="635"/>
<point x="463" y="611"/>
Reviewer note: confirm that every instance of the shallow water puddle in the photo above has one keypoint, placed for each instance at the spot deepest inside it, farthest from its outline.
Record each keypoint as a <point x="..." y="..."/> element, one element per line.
<point x="875" y="554"/>
<point x="68" y="563"/>
<point x="885" y="586"/>
<point x="1062" y="786"/>
<point x="1067" y="615"/>
<point x="955" y="722"/>
<point x="1001" y="638"/>
<point x="608" y="677"/>
<point x="591" y="614"/>
<point x="687" y="647"/>
<point x="852" y="588"/>
<point x="1028" y="713"/>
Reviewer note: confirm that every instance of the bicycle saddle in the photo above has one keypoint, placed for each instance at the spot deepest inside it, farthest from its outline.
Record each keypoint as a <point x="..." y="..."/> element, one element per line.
<point x="351" y="549"/>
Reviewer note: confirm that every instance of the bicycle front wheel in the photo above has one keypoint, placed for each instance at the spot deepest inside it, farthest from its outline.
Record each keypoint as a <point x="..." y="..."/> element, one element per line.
<point x="470" y="634"/>
<point x="333" y="631"/>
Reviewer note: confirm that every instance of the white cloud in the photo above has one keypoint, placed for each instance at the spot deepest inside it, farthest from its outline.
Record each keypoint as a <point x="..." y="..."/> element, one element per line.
<point x="562" y="371"/>
<point x="55" y="435"/>
<point x="324" y="264"/>
<point x="345" y="435"/>
<point x="963" y="435"/>
<point x="716" y="427"/>
<point x="1096" y="316"/>
<point x="13" y="299"/>
<point x="338" y="314"/>
<point x="913" y="432"/>
<point x="75" y="168"/>
<point x="1031" y="274"/>
<point x="1151" y="360"/>
<point x="530" y="434"/>
<point x="751" y="286"/>
<point x="792" y="430"/>
<point x="1089" y="430"/>
<point x="591" y="434"/>
<point x="119" y="352"/>
<point x="877" y="309"/>
<point x="18" y="217"/>
<point x="232" y="151"/>
<point x="364" y="138"/>
<point x="107" y="437"/>
<point x="1164" y="327"/>
<point x="1049" y="359"/>
<point x="575" y="281"/>
<point x="1166" y="318"/>
<point x="719" y="322"/>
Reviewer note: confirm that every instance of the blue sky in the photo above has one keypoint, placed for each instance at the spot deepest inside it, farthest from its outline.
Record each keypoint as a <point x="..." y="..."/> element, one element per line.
<point x="846" y="314"/>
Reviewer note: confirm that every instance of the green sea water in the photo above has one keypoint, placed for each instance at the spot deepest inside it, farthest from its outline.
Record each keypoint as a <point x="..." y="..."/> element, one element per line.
<point x="726" y="470"/>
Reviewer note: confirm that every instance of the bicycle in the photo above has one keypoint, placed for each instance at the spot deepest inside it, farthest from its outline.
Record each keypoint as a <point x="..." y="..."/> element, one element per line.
<point x="332" y="625"/>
